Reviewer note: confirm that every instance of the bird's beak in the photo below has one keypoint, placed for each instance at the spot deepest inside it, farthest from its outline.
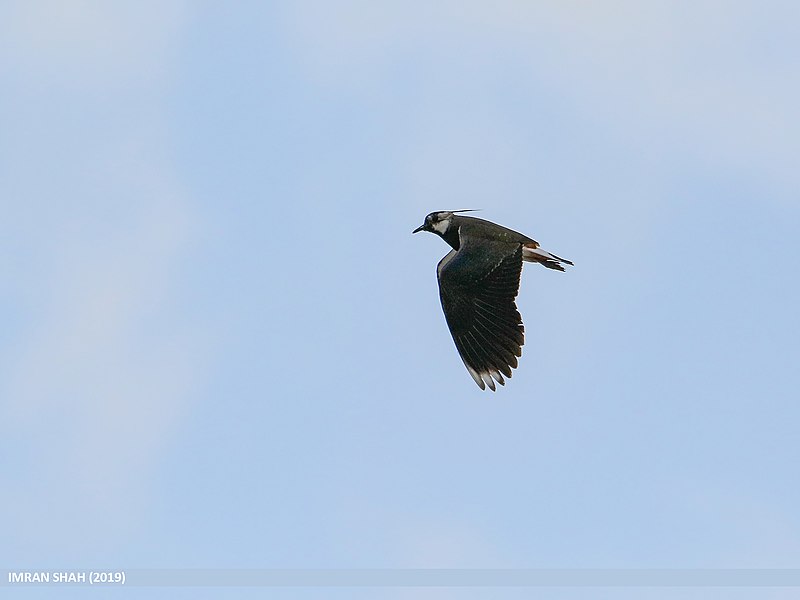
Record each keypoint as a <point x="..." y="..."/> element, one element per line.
<point x="420" y="228"/>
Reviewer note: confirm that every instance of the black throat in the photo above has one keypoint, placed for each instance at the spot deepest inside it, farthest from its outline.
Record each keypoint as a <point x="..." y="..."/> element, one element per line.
<point x="451" y="237"/>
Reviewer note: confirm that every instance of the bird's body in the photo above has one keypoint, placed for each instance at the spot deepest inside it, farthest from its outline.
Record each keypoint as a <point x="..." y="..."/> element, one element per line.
<point x="478" y="282"/>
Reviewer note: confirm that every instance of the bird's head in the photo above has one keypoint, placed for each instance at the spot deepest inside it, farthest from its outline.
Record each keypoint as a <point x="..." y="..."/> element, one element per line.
<point x="439" y="222"/>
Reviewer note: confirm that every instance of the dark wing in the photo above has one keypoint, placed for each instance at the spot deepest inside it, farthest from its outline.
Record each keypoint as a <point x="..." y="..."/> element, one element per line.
<point x="477" y="286"/>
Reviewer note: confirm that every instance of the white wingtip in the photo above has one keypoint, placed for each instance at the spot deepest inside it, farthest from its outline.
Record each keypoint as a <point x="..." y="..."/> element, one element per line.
<point x="478" y="379"/>
<point x="486" y="378"/>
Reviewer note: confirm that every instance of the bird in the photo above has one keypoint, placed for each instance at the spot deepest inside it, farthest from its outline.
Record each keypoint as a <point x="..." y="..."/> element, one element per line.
<point x="478" y="284"/>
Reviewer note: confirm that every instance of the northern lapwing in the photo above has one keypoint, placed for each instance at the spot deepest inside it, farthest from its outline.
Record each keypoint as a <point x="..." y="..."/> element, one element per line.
<point x="478" y="282"/>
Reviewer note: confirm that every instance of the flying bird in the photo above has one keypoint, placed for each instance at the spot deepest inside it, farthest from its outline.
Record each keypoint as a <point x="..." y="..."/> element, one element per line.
<point x="478" y="282"/>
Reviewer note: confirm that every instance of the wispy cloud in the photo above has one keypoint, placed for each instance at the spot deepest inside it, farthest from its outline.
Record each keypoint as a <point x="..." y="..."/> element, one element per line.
<point x="708" y="83"/>
<point x="98" y="368"/>
<point x="89" y="43"/>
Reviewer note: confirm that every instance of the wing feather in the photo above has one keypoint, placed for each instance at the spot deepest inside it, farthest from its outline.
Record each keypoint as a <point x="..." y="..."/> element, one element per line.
<point x="477" y="286"/>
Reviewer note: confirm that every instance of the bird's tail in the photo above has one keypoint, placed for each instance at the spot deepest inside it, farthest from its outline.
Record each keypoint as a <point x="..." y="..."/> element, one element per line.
<point x="532" y="253"/>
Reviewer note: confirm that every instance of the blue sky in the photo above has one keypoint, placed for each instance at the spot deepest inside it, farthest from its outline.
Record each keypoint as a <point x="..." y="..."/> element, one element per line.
<point x="222" y="346"/>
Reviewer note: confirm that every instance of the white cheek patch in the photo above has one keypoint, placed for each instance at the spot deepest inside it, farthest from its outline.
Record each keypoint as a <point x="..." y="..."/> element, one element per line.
<point x="442" y="226"/>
